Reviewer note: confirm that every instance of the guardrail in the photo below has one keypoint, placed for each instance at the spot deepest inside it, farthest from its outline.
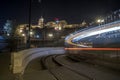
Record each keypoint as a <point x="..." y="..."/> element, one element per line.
<point x="19" y="60"/>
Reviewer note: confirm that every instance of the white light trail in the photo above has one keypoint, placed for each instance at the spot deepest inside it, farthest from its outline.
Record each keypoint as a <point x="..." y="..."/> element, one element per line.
<point x="88" y="34"/>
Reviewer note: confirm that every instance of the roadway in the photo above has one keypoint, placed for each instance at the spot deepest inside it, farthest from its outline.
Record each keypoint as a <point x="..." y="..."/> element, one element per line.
<point x="60" y="67"/>
<point x="57" y="67"/>
<point x="5" y="73"/>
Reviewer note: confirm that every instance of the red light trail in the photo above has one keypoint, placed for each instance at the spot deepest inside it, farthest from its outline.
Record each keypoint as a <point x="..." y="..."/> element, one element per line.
<point x="94" y="49"/>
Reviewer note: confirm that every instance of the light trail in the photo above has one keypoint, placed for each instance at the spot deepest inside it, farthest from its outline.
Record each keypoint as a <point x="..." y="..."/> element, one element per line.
<point x="87" y="34"/>
<point x="71" y="39"/>
<point x="93" y="49"/>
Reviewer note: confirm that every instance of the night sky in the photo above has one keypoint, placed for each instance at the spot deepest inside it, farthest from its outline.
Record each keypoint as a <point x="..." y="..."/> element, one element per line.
<point x="73" y="11"/>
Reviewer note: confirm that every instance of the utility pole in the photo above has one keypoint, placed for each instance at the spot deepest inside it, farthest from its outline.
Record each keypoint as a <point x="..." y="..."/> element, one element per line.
<point x="29" y="25"/>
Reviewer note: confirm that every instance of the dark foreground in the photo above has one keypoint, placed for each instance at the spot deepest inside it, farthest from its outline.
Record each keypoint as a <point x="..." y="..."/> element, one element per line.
<point x="57" y="67"/>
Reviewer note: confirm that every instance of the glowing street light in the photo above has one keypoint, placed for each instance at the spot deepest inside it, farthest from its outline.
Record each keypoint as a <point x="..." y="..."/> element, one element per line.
<point x="60" y="28"/>
<point x="8" y="34"/>
<point x="100" y="20"/>
<point x="31" y="33"/>
<point x="37" y="36"/>
<point x="50" y="35"/>
<point x="21" y="31"/>
<point x="29" y="21"/>
<point x="23" y="35"/>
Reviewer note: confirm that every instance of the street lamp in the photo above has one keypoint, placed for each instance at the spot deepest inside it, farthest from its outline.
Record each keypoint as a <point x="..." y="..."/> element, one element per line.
<point x="29" y="25"/>
<point x="100" y="20"/>
<point x="60" y="28"/>
<point x="23" y="35"/>
<point x="8" y="34"/>
<point x="31" y="33"/>
<point x="21" y="30"/>
<point x="50" y="35"/>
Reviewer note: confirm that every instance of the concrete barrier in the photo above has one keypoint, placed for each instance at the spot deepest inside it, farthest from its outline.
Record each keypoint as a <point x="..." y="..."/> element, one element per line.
<point x="19" y="60"/>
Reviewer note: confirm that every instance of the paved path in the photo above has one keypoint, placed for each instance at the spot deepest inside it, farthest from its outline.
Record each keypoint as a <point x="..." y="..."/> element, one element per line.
<point x="35" y="70"/>
<point x="5" y="73"/>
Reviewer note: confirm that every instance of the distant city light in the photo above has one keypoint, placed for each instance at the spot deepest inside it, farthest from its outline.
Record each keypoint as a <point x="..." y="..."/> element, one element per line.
<point x="23" y="34"/>
<point x="100" y="20"/>
<point x="60" y="28"/>
<point x="8" y="34"/>
<point x="57" y="21"/>
<point x="21" y="30"/>
<point x="31" y="33"/>
<point x="50" y="35"/>
<point x="37" y="36"/>
<point x="56" y="28"/>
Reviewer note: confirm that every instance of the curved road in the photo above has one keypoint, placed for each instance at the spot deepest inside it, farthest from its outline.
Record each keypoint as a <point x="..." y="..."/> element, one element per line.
<point x="58" y="67"/>
<point x="61" y="67"/>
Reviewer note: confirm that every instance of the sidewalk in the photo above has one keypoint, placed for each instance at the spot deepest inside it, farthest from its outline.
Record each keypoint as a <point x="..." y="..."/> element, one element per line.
<point x="5" y="73"/>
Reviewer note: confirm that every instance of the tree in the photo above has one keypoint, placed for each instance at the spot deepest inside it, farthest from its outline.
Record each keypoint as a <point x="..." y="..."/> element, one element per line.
<point x="9" y="28"/>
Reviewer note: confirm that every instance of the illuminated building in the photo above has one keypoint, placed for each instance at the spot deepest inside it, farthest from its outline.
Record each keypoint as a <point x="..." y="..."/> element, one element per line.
<point x="41" y="22"/>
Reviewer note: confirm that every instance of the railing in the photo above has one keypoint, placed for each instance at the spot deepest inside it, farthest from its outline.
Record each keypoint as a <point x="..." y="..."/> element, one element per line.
<point x="19" y="60"/>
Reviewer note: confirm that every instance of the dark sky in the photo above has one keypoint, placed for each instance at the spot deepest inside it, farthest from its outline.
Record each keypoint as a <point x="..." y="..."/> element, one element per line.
<point x="74" y="11"/>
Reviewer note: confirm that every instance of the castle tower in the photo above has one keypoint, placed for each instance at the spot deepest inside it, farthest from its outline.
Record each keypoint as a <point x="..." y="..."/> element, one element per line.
<point x="41" y="22"/>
